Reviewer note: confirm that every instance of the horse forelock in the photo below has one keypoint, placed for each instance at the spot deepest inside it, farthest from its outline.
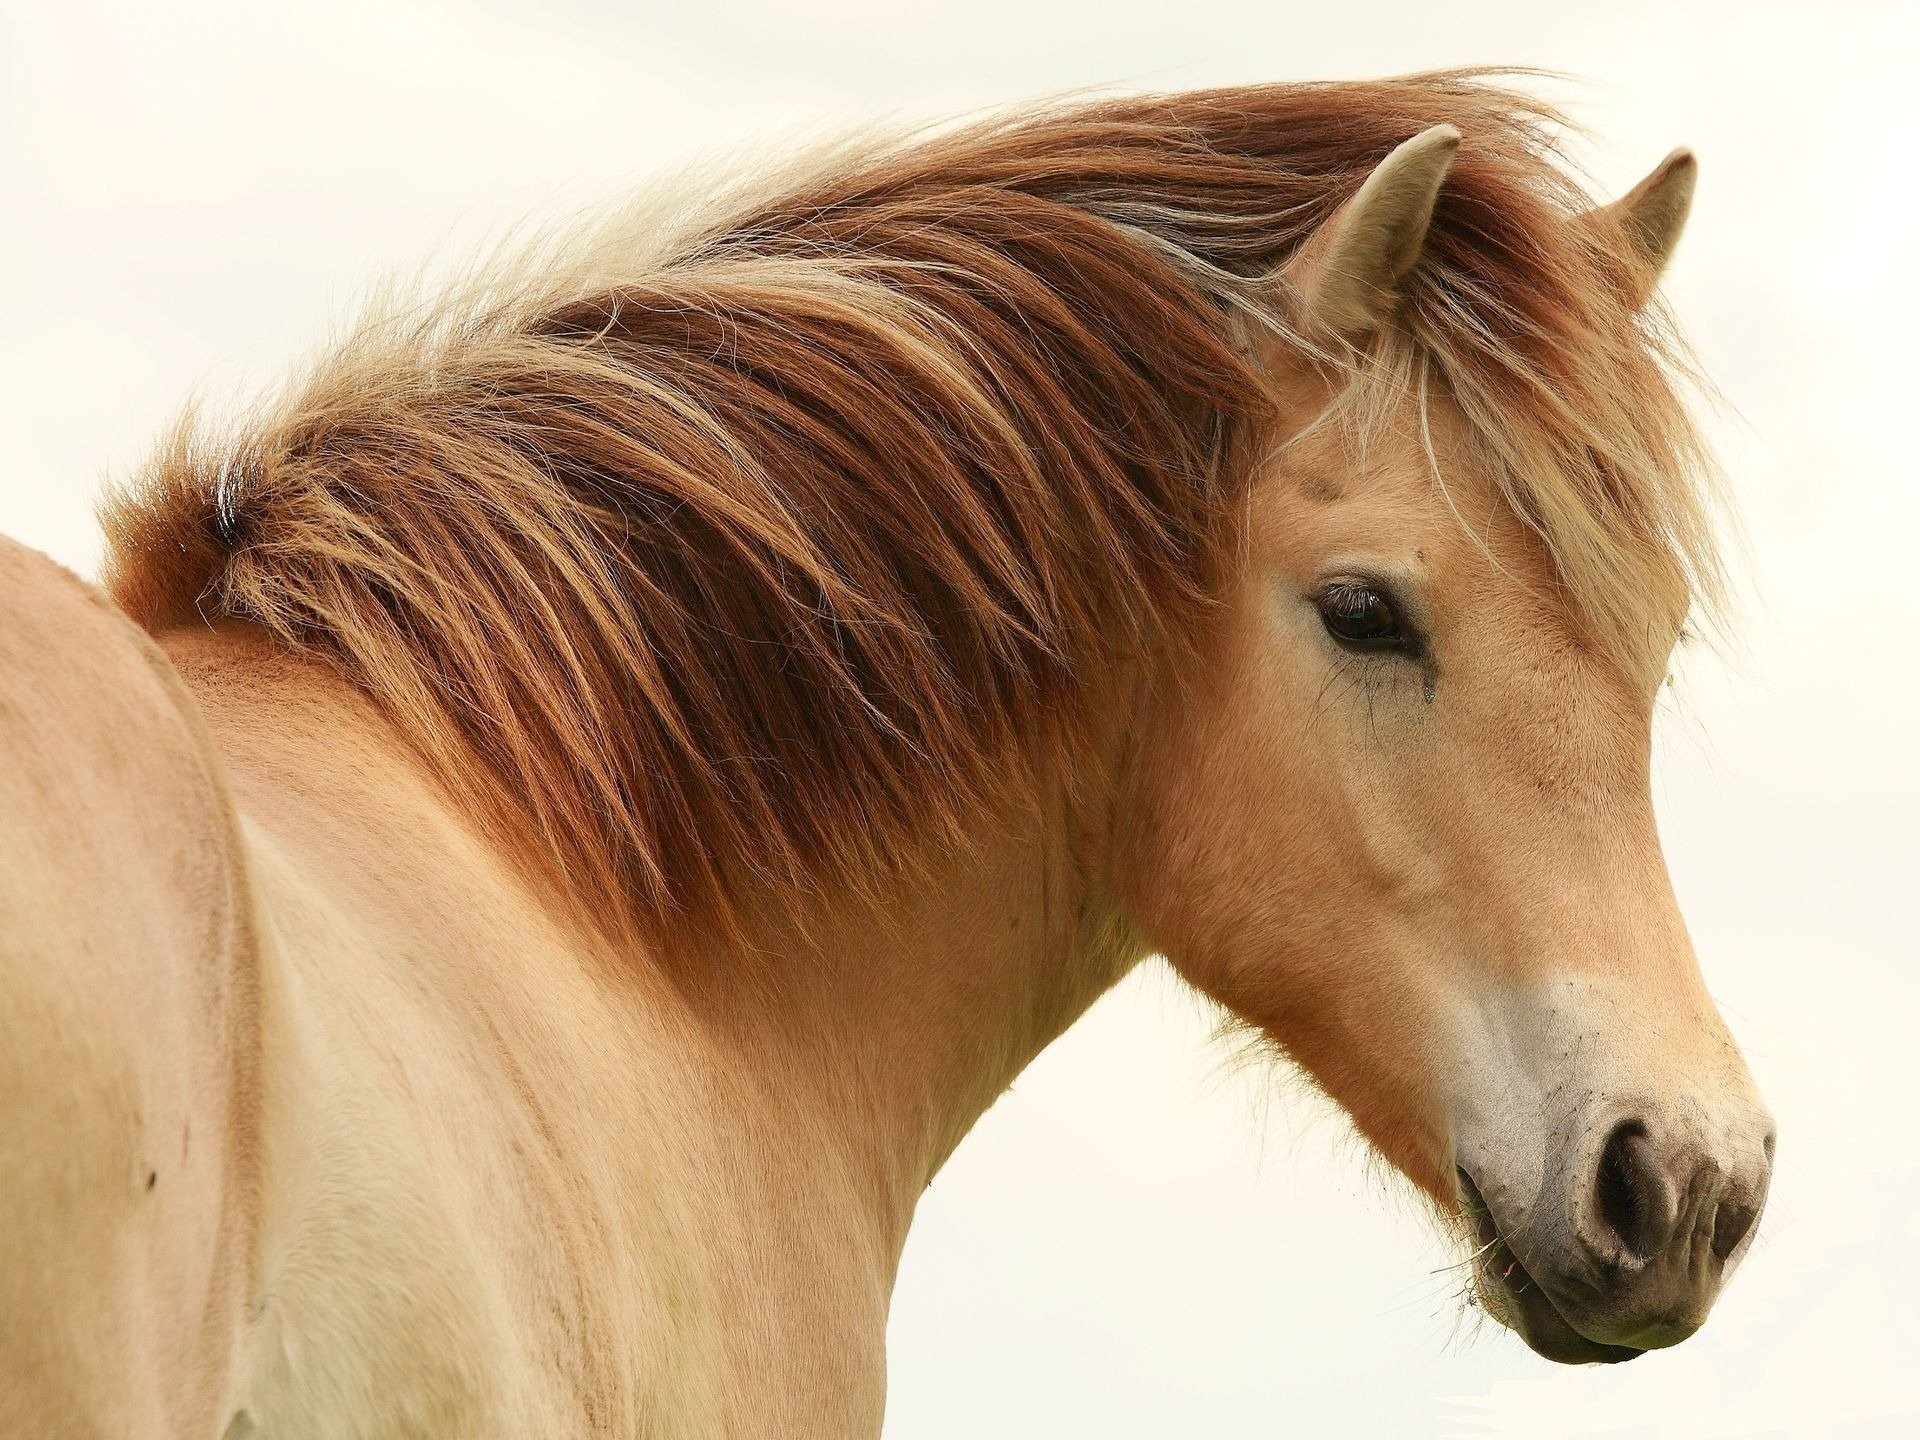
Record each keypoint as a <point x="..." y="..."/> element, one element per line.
<point x="739" y="564"/>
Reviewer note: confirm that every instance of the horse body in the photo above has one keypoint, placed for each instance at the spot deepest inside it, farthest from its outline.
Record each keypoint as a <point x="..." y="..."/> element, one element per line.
<point x="490" y="1177"/>
<point x="614" y="792"/>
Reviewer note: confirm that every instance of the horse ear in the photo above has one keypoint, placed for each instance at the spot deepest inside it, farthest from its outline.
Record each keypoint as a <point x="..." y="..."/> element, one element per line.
<point x="1346" y="276"/>
<point x="1653" y="213"/>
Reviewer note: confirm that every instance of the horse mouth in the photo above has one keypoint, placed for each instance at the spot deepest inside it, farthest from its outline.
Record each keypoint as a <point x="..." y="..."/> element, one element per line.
<point x="1520" y="1302"/>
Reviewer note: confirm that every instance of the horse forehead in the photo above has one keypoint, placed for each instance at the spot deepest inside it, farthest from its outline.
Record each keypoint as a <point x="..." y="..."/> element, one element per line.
<point x="1433" y="520"/>
<point x="1431" y="508"/>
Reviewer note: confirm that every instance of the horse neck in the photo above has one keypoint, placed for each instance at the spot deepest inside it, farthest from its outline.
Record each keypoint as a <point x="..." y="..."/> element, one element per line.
<point x="907" y="1020"/>
<point x="865" y="1044"/>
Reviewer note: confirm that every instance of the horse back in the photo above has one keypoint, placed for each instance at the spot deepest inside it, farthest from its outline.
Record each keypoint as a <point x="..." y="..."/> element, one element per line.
<point x="128" y="1060"/>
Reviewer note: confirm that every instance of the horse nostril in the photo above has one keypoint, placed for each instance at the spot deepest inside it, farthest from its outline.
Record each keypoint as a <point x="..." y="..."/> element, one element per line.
<point x="1730" y="1226"/>
<point x="1635" y="1196"/>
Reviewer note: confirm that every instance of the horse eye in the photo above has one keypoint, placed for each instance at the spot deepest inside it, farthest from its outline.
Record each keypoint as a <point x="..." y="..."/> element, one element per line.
<point x="1360" y="616"/>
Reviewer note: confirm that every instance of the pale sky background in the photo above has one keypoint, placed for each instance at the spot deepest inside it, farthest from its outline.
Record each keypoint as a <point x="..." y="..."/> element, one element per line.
<point x="1136" y="1241"/>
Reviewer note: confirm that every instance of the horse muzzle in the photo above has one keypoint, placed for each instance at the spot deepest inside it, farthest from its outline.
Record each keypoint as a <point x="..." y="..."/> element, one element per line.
<point x="1631" y="1252"/>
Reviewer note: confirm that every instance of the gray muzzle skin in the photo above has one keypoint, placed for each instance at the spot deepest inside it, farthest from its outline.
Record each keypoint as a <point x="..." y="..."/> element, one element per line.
<point x="1632" y="1251"/>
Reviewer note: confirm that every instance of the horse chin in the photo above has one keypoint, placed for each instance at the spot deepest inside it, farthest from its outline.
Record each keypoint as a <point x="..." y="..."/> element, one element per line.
<point x="1518" y="1301"/>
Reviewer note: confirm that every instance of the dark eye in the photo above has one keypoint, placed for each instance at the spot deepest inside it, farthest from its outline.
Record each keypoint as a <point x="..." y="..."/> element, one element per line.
<point x="1361" y="616"/>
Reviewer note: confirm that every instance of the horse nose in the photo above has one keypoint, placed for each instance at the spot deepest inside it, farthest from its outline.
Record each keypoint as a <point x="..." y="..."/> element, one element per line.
<point x="1666" y="1216"/>
<point x="1642" y="1192"/>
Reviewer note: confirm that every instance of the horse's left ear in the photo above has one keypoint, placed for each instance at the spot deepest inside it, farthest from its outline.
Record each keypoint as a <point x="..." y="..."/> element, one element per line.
<point x="1653" y="213"/>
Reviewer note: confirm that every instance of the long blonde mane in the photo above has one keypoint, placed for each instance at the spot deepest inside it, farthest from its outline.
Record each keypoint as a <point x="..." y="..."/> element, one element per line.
<point x="732" y="568"/>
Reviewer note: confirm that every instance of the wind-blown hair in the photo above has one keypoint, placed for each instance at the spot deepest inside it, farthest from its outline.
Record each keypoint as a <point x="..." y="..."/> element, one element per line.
<point x="735" y="562"/>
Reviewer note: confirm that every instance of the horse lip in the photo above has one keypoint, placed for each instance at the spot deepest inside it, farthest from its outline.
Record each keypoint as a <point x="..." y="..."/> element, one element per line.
<point x="1530" y="1310"/>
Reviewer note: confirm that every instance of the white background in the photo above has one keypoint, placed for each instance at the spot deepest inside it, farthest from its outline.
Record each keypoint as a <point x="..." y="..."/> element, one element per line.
<point x="1140" y="1241"/>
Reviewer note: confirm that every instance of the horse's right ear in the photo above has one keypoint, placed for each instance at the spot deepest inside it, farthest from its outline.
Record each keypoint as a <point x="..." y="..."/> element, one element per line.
<point x="1652" y="215"/>
<point x="1345" y="279"/>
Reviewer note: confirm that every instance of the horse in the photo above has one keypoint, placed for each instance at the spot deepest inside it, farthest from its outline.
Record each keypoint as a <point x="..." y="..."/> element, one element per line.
<point x="557" y="823"/>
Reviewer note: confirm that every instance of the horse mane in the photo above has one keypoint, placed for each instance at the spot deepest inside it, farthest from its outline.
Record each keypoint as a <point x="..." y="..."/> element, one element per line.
<point x="730" y="560"/>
